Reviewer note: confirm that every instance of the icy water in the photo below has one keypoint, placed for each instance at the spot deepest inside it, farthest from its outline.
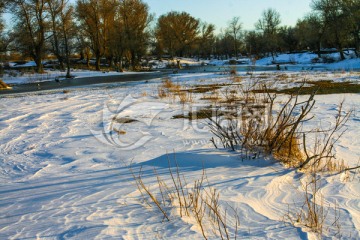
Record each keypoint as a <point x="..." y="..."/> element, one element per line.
<point x="52" y="85"/>
<point x="77" y="82"/>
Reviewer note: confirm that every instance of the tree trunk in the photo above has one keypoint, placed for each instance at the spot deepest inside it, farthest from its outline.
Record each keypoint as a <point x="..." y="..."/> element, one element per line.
<point x="97" y="64"/>
<point x="319" y="49"/>
<point x="357" y="43"/>
<point x="342" y="56"/>
<point x="133" y="60"/>
<point x="39" y="66"/>
<point x="67" y="53"/>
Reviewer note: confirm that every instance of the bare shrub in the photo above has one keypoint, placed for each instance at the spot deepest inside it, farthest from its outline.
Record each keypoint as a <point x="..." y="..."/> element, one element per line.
<point x="263" y="124"/>
<point x="322" y="153"/>
<point x="261" y="128"/>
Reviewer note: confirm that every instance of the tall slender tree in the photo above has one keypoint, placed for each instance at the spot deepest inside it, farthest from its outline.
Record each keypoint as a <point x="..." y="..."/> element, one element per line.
<point x="62" y="29"/>
<point x="206" y="39"/>
<point x="269" y="25"/>
<point x="234" y="29"/>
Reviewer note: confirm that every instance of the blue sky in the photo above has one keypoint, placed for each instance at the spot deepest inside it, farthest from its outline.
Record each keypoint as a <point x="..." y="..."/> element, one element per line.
<point x="219" y="12"/>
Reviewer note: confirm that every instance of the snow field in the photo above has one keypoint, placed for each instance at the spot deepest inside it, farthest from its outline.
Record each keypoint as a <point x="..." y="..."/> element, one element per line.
<point x="62" y="180"/>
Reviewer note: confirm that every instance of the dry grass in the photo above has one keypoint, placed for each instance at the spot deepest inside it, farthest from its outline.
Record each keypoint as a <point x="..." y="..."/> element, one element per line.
<point x="313" y="211"/>
<point x="120" y="132"/>
<point x="321" y="87"/>
<point x="205" y="88"/>
<point x="282" y="77"/>
<point x="233" y="71"/>
<point x="173" y="91"/>
<point x="3" y="85"/>
<point x="196" y="115"/>
<point x="196" y="201"/>
<point x="237" y="79"/>
<point x="185" y="97"/>
<point x="123" y="120"/>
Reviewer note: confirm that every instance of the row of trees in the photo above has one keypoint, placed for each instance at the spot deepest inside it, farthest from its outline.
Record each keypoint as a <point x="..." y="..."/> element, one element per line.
<point x="123" y="31"/>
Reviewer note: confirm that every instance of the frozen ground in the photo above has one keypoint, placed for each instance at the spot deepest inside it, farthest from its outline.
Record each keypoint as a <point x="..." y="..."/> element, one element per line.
<point x="64" y="169"/>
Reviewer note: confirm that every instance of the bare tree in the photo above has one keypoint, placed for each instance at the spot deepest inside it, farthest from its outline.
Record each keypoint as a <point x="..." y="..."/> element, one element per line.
<point x="351" y="8"/>
<point x="269" y="25"/>
<point x="54" y="8"/>
<point x="62" y="28"/>
<point x="207" y="39"/>
<point x="97" y="18"/>
<point x="135" y="20"/>
<point x="336" y="22"/>
<point x="31" y="26"/>
<point x="310" y="32"/>
<point x="67" y="28"/>
<point x="2" y="38"/>
<point x="234" y="29"/>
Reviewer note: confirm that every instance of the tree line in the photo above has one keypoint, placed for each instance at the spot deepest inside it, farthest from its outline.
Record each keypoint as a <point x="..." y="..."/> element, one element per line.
<point x="124" y="31"/>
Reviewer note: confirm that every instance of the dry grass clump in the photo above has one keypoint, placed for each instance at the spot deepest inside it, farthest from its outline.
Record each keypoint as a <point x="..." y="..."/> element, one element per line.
<point x="205" y="88"/>
<point x="237" y="79"/>
<point x="3" y="85"/>
<point x="263" y="76"/>
<point x="123" y="120"/>
<point x="119" y="131"/>
<point x="213" y="96"/>
<point x="197" y="201"/>
<point x="203" y="113"/>
<point x="233" y="71"/>
<point x="185" y="97"/>
<point x="282" y="77"/>
<point x="173" y="91"/>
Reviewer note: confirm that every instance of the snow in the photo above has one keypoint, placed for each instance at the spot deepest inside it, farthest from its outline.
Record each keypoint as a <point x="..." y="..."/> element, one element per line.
<point x="160" y="64"/>
<point x="299" y="58"/>
<point x="65" y="172"/>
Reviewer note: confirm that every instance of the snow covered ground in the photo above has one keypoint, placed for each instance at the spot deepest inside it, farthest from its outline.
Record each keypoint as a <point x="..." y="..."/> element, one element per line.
<point x="64" y="167"/>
